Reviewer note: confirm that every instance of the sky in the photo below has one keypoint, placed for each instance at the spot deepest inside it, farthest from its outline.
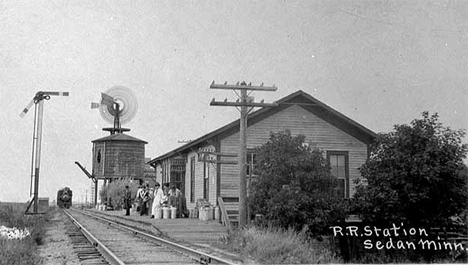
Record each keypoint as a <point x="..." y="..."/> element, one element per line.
<point x="380" y="63"/>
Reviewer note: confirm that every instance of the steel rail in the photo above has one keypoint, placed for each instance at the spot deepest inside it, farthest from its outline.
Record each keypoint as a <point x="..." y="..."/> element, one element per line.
<point x="107" y="253"/>
<point x="201" y="257"/>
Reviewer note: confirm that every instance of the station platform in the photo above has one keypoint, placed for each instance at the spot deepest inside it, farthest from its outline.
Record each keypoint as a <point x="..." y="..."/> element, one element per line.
<point x="193" y="231"/>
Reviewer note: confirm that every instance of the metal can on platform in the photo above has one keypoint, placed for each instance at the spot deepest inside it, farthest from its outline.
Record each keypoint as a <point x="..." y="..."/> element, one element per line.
<point x="166" y="213"/>
<point x="157" y="213"/>
<point x="173" y="212"/>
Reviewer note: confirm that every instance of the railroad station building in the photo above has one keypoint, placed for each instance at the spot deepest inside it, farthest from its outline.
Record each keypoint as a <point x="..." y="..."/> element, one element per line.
<point x="343" y="141"/>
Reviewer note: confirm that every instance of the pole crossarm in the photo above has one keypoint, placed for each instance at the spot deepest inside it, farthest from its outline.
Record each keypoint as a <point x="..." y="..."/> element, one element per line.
<point x="243" y="86"/>
<point x="240" y="104"/>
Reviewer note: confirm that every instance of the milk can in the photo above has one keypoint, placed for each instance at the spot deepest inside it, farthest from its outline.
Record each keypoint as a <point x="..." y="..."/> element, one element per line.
<point x="173" y="212"/>
<point x="166" y="213"/>
<point x="158" y="213"/>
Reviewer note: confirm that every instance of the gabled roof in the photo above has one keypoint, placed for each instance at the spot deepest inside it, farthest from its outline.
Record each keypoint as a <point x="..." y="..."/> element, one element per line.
<point x="297" y="98"/>
<point x="119" y="137"/>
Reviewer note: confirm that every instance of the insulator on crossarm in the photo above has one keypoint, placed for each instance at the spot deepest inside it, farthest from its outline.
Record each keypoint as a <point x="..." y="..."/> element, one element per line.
<point x="225" y="100"/>
<point x="225" y="83"/>
<point x="261" y="84"/>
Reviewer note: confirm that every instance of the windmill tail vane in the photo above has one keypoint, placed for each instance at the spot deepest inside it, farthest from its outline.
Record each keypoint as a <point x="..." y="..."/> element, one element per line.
<point x="95" y="105"/>
<point x="41" y="95"/>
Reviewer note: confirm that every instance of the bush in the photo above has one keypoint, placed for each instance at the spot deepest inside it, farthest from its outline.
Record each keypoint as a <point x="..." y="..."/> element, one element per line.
<point x="294" y="186"/>
<point x="290" y="247"/>
<point x="115" y="191"/>
<point x="415" y="176"/>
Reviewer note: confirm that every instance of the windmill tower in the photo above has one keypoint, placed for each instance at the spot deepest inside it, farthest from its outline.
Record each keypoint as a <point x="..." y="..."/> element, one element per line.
<point x="118" y="155"/>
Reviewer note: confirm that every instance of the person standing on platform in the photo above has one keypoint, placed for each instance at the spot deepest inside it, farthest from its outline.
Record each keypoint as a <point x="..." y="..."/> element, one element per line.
<point x="138" y="199"/>
<point x="177" y="199"/>
<point x="174" y="191"/>
<point x="145" y="198"/>
<point x="127" y="200"/>
<point x="166" y="192"/>
<point x="158" y="198"/>
<point x="150" y="202"/>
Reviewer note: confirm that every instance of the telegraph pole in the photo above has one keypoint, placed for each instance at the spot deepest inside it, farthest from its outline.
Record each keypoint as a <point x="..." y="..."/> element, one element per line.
<point x="244" y="102"/>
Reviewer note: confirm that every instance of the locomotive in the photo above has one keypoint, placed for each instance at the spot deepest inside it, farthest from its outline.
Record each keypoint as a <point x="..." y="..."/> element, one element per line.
<point x="64" y="198"/>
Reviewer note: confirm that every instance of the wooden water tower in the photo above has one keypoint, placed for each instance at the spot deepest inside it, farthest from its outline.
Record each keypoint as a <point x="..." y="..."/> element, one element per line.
<point x="118" y="155"/>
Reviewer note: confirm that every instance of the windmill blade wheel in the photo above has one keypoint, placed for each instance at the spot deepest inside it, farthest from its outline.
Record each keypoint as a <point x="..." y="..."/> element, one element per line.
<point x="127" y="101"/>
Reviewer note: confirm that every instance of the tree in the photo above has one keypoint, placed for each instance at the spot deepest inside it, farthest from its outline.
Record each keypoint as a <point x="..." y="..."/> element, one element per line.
<point x="116" y="191"/>
<point x="294" y="186"/>
<point x="413" y="175"/>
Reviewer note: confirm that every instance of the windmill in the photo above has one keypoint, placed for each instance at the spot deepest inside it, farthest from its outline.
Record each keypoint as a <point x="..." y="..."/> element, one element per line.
<point x="38" y="101"/>
<point x="118" y="106"/>
<point x="118" y="155"/>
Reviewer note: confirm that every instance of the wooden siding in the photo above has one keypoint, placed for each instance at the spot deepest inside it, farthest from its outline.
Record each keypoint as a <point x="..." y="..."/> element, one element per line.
<point x="199" y="184"/>
<point x="119" y="159"/>
<point x="319" y="134"/>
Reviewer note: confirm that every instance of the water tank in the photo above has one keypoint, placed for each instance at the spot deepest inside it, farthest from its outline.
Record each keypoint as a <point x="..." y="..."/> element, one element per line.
<point x="118" y="156"/>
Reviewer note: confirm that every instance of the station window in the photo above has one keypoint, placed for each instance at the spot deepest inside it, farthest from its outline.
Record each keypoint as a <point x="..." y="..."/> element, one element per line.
<point x="340" y="169"/>
<point x="251" y="162"/>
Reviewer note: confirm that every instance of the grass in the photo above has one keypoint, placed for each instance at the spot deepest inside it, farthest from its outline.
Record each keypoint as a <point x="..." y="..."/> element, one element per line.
<point x="278" y="246"/>
<point x="20" y="251"/>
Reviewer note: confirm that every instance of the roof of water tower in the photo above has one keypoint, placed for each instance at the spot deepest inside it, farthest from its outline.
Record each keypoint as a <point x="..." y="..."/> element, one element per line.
<point x="119" y="137"/>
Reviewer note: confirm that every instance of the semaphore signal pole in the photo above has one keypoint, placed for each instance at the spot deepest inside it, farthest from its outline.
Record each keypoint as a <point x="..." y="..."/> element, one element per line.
<point x="244" y="102"/>
<point x="38" y="101"/>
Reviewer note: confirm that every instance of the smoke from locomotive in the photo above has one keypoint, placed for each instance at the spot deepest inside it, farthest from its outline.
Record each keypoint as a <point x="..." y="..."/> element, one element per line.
<point x="64" y="198"/>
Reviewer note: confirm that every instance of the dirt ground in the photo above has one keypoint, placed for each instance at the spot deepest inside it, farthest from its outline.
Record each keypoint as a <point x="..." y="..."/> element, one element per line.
<point x="57" y="247"/>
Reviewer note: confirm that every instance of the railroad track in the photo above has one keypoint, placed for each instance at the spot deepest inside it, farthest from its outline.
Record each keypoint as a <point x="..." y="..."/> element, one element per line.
<point x="109" y="242"/>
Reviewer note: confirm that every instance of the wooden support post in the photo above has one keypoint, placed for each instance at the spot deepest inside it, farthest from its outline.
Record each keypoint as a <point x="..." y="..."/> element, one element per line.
<point x="242" y="162"/>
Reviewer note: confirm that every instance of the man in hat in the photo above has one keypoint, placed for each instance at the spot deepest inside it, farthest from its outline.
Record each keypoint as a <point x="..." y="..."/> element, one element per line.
<point x="127" y="200"/>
